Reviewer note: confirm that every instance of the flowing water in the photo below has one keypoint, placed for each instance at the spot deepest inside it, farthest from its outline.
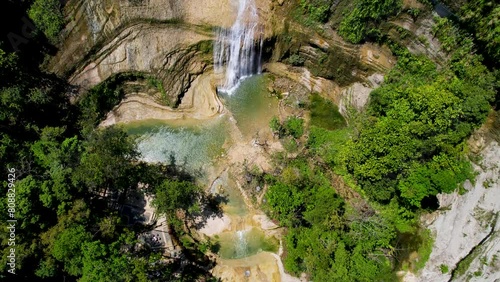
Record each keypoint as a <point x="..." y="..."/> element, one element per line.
<point x="252" y="105"/>
<point x="197" y="145"/>
<point x="244" y="243"/>
<point x="238" y="50"/>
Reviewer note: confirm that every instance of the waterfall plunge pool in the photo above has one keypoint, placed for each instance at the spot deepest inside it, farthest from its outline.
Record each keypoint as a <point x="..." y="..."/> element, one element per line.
<point x="198" y="145"/>
<point x="252" y="105"/>
<point x="245" y="243"/>
<point x="192" y="145"/>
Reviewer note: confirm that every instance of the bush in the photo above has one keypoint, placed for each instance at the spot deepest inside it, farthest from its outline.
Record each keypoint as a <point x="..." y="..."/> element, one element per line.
<point x="48" y="18"/>
<point x="296" y="60"/>
<point x="276" y="126"/>
<point x="444" y="268"/>
<point x="294" y="126"/>
<point x="353" y="27"/>
<point x="317" y="10"/>
<point x="414" y="12"/>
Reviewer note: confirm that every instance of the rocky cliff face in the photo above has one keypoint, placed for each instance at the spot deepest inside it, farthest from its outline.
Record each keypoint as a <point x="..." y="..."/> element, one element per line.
<point x="153" y="50"/>
<point x="466" y="227"/>
<point x="92" y="24"/>
<point x="170" y="40"/>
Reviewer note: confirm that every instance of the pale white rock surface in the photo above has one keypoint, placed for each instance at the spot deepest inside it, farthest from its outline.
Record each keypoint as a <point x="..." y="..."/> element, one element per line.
<point x="466" y="221"/>
<point x="265" y="222"/>
<point x="138" y="48"/>
<point x="216" y="225"/>
<point x="356" y="95"/>
<point x="92" y="23"/>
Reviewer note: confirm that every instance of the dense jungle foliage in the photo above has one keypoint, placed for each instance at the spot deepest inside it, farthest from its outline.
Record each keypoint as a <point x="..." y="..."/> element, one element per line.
<point x="349" y="191"/>
<point x="72" y="177"/>
<point x="404" y="149"/>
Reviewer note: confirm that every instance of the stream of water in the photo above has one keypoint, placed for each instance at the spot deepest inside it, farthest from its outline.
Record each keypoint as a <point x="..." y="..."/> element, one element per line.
<point x="244" y="243"/>
<point x="196" y="145"/>
<point x="238" y="50"/>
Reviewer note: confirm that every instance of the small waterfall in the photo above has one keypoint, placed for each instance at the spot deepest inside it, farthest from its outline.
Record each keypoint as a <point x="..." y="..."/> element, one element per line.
<point x="238" y="50"/>
<point x="241" y="244"/>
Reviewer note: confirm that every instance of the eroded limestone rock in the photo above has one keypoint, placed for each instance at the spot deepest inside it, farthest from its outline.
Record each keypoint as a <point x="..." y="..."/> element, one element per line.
<point x="467" y="227"/>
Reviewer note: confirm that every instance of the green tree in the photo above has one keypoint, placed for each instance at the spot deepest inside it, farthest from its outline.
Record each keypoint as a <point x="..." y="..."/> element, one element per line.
<point x="67" y="247"/>
<point x="341" y="264"/>
<point x="47" y="16"/>
<point x="174" y="195"/>
<point x="317" y="10"/>
<point x="419" y="116"/>
<point x="294" y="126"/>
<point x="276" y="126"/>
<point x="354" y="25"/>
<point x="483" y="16"/>
<point x="106" y="262"/>
<point x="285" y="202"/>
<point x="107" y="163"/>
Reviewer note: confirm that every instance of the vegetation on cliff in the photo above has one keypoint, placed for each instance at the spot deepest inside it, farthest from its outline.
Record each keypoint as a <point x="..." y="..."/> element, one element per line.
<point x="348" y="192"/>
<point x="72" y="179"/>
<point x="48" y="18"/>
<point x="480" y="18"/>
<point x="404" y="149"/>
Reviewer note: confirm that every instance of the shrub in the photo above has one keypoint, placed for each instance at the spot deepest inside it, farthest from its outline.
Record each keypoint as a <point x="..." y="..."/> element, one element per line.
<point x="317" y="10"/>
<point x="296" y="60"/>
<point x="444" y="268"/>
<point x="276" y="126"/>
<point x="353" y="27"/>
<point x="294" y="126"/>
<point x="48" y="18"/>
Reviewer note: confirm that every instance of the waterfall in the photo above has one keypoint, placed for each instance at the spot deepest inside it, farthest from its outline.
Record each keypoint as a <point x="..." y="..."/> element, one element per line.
<point x="238" y="50"/>
<point x="241" y="244"/>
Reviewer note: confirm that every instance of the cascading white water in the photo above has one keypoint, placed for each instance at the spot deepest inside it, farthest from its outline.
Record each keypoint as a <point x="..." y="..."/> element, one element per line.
<point x="241" y="244"/>
<point x="238" y="50"/>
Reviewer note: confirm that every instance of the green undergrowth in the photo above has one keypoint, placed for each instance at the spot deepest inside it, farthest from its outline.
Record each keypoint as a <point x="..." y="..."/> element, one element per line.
<point x="424" y="249"/>
<point x="101" y="99"/>
<point x="48" y="18"/>
<point x="324" y="113"/>
<point x="158" y="85"/>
